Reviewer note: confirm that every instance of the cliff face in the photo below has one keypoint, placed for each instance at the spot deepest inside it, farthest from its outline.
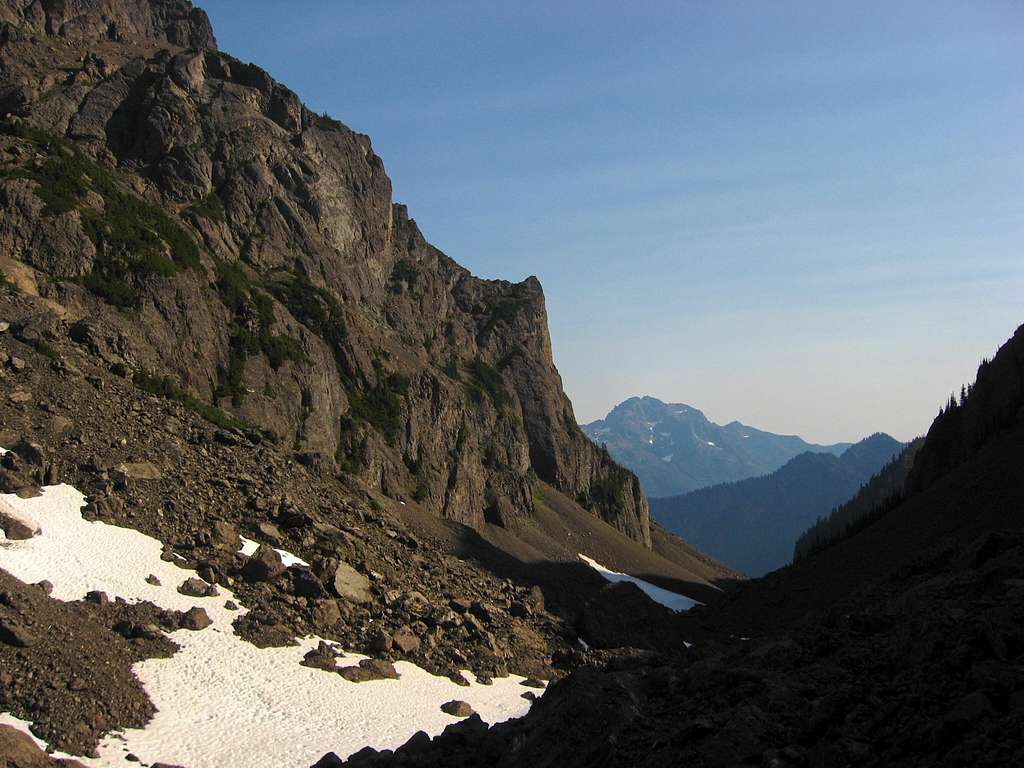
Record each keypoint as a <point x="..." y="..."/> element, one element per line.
<point x="187" y="215"/>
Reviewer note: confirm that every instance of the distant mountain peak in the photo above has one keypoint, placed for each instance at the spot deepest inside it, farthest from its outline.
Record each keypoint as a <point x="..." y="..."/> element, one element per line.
<point x="641" y="431"/>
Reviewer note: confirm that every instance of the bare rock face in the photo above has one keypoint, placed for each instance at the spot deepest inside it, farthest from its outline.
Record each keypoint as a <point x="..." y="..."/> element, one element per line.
<point x="282" y="284"/>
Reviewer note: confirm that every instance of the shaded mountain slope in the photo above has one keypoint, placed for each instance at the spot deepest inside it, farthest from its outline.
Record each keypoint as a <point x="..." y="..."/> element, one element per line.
<point x="899" y="645"/>
<point x="193" y="221"/>
<point x="881" y="493"/>
<point x="673" y="448"/>
<point x="752" y="525"/>
<point x="982" y="490"/>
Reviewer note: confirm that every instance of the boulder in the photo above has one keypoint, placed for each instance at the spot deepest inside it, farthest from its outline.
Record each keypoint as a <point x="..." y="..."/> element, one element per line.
<point x="369" y="669"/>
<point x="351" y="585"/>
<point x="405" y="641"/>
<point x="17" y="527"/>
<point x="321" y="657"/>
<point x="196" y="619"/>
<point x="457" y="708"/>
<point x="138" y="470"/>
<point x="264" y="565"/>
<point x="326" y="612"/>
<point x="225" y="536"/>
<point x="195" y="587"/>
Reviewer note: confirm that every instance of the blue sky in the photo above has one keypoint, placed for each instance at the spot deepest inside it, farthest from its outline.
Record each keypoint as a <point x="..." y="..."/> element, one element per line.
<point x="807" y="216"/>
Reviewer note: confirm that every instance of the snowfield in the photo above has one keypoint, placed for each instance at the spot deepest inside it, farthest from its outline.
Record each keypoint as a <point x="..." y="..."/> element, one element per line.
<point x="666" y="597"/>
<point x="221" y="701"/>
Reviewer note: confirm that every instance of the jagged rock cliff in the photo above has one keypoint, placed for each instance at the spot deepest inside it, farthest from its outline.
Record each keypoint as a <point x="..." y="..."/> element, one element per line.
<point x="188" y="217"/>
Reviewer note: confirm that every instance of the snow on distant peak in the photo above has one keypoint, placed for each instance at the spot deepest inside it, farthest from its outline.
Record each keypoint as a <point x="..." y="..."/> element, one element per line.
<point x="667" y="458"/>
<point x="666" y="597"/>
<point x="712" y="444"/>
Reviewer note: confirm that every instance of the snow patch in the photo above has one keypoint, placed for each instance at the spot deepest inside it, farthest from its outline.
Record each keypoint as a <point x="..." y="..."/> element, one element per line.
<point x="666" y="597"/>
<point x="220" y="700"/>
<point x="711" y="444"/>
<point x="287" y="558"/>
<point x="667" y="458"/>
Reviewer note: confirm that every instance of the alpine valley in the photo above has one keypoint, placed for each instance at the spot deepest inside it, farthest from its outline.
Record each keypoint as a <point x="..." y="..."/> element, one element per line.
<point x="283" y="485"/>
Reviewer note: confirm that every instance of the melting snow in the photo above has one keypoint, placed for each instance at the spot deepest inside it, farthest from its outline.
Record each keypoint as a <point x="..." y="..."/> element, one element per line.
<point x="220" y="700"/>
<point x="666" y="597"/>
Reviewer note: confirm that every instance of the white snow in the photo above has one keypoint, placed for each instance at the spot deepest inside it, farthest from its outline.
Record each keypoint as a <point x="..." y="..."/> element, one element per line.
<point x="666" y="597"/>
<point x="667" y="458"/>
<point x="711" y="444"/>
<point x="651" y="441"/>
<point x="220" y="700"/>
<point x="287" y="558"/>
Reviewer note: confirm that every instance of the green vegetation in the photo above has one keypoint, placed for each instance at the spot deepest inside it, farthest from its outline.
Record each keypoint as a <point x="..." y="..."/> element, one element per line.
<point x="504" y="310"/>
<point x="210" y="207"/>
<point x="325" y="122"/>
<point x="405" y="272"/>
<point x="315" y="308"/>
<point x="46" y="349"/>
<point x="876" y="498"/>
<point x="574" y="428"/>
<point x="451" y="369"/>
<point x="420" y="492"/>
<point x="485" y="381"/>
<point x="8" y="286"/>
<point x="134" y="238"/>
<point x="239" y="295"/>
<point x="164" y="386"/>
<point x="381" y="406"/>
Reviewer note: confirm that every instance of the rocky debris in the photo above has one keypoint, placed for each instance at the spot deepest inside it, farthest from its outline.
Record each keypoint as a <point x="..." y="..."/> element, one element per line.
<point x="97" y="597"/>
<point x="216" y="491"/>
<point x="74" y="679"/>
<point x="351" y="585"/>
<point x="18" y="750"/>
<point x="195" y="619"/>
<point x="153" y="580"/>
<point x="195" y="587"/>
<point x="621" y="615"/>
<point x="920" y="668"/>
<point x="457" y="708"/>
<point x="263" y="565"/>
<point x="13" y="633"/>
<point x="369" y="669"/>
<point x="532" y="682"/>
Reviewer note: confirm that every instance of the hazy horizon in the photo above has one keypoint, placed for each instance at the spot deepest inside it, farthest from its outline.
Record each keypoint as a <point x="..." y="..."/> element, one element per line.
<point x="803" y="216"/>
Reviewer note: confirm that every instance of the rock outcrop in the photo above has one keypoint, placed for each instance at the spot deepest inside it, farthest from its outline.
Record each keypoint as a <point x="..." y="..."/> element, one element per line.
<point x="231" y="247"/>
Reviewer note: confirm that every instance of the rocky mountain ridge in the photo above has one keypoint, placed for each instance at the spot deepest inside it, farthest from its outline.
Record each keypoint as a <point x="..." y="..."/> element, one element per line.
<point x="209" y="228"/>
<point x="673" y="447"/>
<point x="753" y="524"/>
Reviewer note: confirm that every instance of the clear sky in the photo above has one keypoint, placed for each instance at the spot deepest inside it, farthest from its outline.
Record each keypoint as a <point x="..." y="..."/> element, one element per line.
<point x="808" y="216"/>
